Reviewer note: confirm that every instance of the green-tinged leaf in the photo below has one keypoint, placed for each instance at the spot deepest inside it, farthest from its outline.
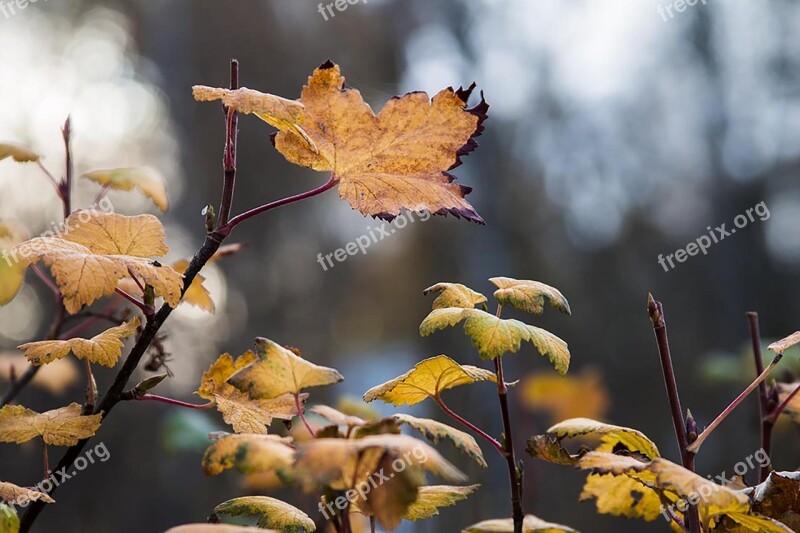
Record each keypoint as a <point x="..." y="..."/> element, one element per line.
<point x="529" y="296"/>
<point x="9" y="521"/>
<point x="12" y="268"/>
<point x="454" y="295"/>
<point x="272" y="513"/>
<point x="494" y="337"/>
<point x="249" y="454"/>
<point x="432" y="498"/>
<point x="427" y="379"/>
<point x="531" y="524"/>
<point x="150" y="383"/>
<point x="548" y="448"/>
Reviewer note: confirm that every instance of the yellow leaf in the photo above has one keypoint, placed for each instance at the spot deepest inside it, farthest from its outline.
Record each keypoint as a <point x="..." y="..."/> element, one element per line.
<point x="352" y="406"/>
<point x="243" y="413"/>
<point x="248" y="454"/>
<point x="276" y="111"/>
<point x="531" y="524"/>
<point x="432" y="498"/>
<point x="529" y="296"/>
<point x="18" y="152"/>
<point x="98" y="250"/>
<point x="563" y="397"/>
<point x="455" y="295"/>
<point x="611" y="435"/>
<point x="12" y="271"/>
<point x="493" y="336"/>
<point x="786" y="343"/>
<point x="749" y="522"/>
<point x="218" y="528"/>
<point x="146" y="179"/>
<point x="9" y="520"/>
<point x="103" y="349"/>
<point x="622" y="496"/>
<point x="434" y="430"/>
<point x="427" y="379"/>
<point x="337" y="417"/>
<point x="196" y="295"/>
<point x="13" y="494"/>
<point x="548" y="448"/>
<point x="60" y="427"/>
<point x="55" y="378"/>
<point x="272" y="513"/>
<point x="777" y="498"/>
<point x="396" y="160"/>
<point x="279" y="371"/>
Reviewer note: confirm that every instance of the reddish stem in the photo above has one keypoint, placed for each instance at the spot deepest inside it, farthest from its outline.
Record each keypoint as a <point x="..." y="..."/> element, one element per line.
<point x="146" y="309"/>
<point x="301" y="414"/>
<point x="773" y="417"/>
<point x="229" y="156"/>
<point x="171" y="401"/>
<point x="466" y="423"/>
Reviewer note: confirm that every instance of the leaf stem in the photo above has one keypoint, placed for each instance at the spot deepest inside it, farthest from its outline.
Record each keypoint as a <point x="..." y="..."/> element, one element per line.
<point x="49" y="177"/>
<point x="132" y="395"/>
<point x="46" y="460"/>
<point x="91" y="387"/>
<point x="773" y="417"/>
<point x="46" y="280"/>
<point x="656" y="312"/>
<point x="301" y="414"/>
<point x="735" y="403"/>
<point x="146" y="309"/>
<point x="100" y="194"/>
<point x="466" y="423"/>
<point x="763" y="400"/>
<point x="238" y="219"/>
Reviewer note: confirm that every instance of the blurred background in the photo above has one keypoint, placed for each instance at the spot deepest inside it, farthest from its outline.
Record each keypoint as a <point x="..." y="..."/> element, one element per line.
<point x="619" y="130"/>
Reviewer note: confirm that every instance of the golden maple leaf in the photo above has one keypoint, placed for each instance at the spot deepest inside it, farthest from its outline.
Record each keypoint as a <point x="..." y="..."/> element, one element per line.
<point x="60" y="427"/>
<point x="398" y="159"/>
<point x="104" y="348"/>
<point x="99" y="249"/>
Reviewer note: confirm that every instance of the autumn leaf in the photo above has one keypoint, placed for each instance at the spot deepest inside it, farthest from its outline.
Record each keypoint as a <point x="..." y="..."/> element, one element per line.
<point x="530" y="524"/>
<point x="337" y="417"/>
<point x="529" y="296"/>
<point x="272" y="513"/>
<point x="435" y="430"/>
<point x="55" y="378"/>
<point x="399" y="159"/>
<point x="611" y="436"/>
<point x="454" y="295"/>
<point x="99" y="249"/>
<point x="778" y="498"/>
<point x="279" y="371"/>
<point x="244" y="413"/>
<point x="432" y="498"/>
<point x="18" y="152"/>
<point x="12" y="271"/>
<point x="14" y="494"/>
<point x="248" y="454"/>
<point x="494" y="337"/>
<point x="563" y="397"/>
<point x="9" y="520"/>
<point x="427" y="379"/>
<point x="784" y="344"/>
<point x="278" y="112"/>
<point x="741" y="523"/>
<point x="620" y="495"/>
<point x="197" y="294"/>
<point x="145" y="179"/>
<point x="60" y="427"/>
<point x="103" y="349"/>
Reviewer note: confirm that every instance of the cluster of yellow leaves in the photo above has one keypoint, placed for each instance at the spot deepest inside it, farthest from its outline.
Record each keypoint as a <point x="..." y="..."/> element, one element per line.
<point x="629" y="478"/>
<point x="103" y="349"/>
<point x="97" y="250"/>
<point x="398" y="159"/>
<point x="60" y="427"/>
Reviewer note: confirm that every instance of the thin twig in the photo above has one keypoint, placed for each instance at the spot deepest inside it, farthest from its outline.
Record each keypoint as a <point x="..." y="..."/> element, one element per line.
<point x="729" y="409"/>
<point x="49" y="176"/>
<point x="46" y="460"/>
<point x="132" y="395"/>
<point x="773" y="417"/>
<point x="301" y="414"/>
<point x="763" y="400"/>
<point x="656" y="313"/>
<point x="46" y="280"/>
<point x="229" y="157"/>
<point x="146" y="309"/>
<point x="100" y="194"/>
<point x="91" y="387"/>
